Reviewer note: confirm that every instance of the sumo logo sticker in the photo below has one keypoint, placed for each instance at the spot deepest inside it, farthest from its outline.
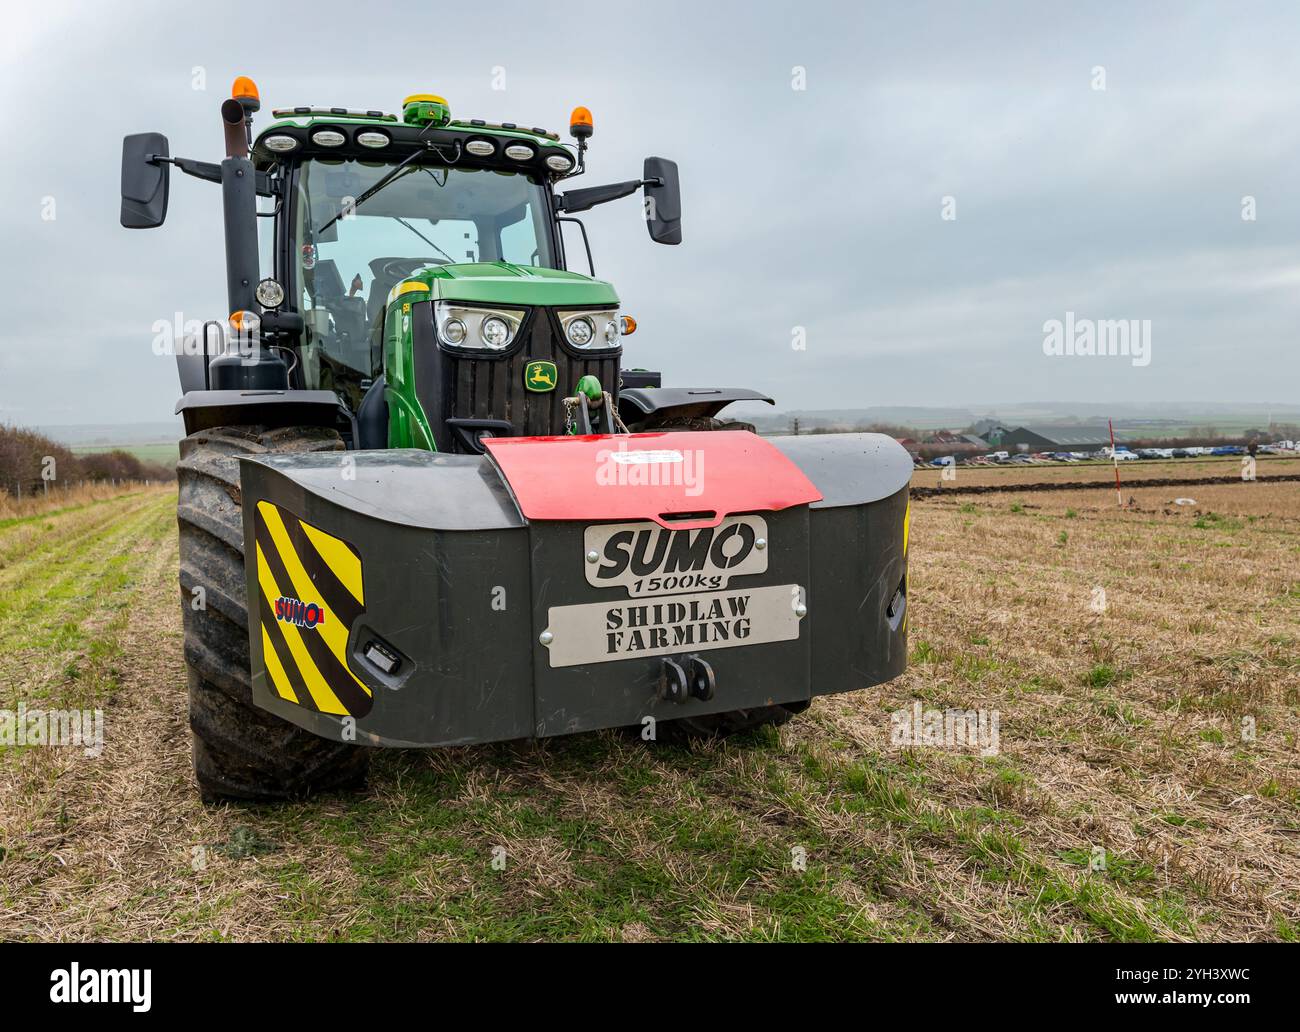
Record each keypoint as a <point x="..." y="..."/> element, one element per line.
<point x="298" y="613"/>
<point x="540" y="376"/>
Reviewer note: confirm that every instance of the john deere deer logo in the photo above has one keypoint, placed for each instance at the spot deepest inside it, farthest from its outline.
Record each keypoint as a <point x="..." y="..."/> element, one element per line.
<point x="540" y="376"/>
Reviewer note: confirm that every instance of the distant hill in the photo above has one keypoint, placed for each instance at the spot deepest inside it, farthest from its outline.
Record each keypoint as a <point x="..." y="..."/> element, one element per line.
<point x="99" y="435"/>
<point x="1151" y="419"/>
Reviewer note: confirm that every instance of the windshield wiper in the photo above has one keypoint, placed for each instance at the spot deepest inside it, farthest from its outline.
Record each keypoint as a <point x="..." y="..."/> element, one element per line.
<point x="370" y="192"/>
<point x="425" y="239"/>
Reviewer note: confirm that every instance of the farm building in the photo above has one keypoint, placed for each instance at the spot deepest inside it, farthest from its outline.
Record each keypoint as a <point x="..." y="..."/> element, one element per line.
<point x="954" y="438"/>
<point x="989" y="430"/>
<point x="1056" y="438"/>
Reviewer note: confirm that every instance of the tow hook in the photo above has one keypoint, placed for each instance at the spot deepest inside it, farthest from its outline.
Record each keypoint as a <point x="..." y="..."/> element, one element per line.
<point x="673" y="685"/>
<point x="692" y="677"/>
<point x="703" y="681"/>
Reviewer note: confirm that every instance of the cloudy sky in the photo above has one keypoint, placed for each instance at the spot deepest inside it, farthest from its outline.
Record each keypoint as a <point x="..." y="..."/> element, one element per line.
<point x="821" y="208"/>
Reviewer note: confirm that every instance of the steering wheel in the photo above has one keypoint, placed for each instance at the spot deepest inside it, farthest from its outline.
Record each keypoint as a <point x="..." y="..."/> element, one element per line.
<point x="393" y="269"/>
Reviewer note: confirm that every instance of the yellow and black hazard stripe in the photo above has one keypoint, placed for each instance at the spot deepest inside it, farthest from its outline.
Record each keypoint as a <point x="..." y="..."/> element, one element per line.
<point x="907" y="532"/>
<point x="305" y="570"/>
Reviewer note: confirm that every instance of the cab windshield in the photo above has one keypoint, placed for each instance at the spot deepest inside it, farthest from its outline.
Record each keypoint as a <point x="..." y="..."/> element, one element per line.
<point x="426" y="215"/>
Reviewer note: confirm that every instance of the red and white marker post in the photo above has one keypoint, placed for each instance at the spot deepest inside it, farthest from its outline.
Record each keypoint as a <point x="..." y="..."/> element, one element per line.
<point x="1119" y="495"/>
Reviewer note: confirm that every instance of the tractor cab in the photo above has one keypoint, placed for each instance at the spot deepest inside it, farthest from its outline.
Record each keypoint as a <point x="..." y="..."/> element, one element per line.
<point x="417" y="286"/>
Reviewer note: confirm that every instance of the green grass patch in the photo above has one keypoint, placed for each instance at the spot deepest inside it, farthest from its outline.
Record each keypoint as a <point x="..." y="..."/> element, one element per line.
<point x="1215" y="521"/>
<point x="1101" y="675"/>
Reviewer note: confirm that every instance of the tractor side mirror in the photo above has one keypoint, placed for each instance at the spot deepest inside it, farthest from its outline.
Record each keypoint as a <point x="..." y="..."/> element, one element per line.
<point x="663" y="201"/>
<point x="144" y="180"/>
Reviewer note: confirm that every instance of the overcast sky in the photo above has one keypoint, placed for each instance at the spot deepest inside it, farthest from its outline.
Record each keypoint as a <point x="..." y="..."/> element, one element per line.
<point x="821" y="207"/>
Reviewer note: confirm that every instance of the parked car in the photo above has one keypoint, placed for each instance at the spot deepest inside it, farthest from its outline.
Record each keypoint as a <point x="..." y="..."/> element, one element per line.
<point x="1182" y="453"/>
<point x="943" y="460"/>
<point x="1228" y="449"/>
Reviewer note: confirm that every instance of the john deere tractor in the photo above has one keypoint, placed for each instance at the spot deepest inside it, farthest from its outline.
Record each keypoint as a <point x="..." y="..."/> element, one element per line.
<point x="422" y="500"/>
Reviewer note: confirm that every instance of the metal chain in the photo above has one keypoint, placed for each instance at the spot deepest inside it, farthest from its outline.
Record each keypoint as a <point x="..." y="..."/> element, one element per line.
<point x="571" y="422"/>
<point x="613" y="412"/>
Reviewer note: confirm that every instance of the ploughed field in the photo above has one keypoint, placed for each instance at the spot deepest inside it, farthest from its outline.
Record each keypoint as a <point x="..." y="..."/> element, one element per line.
<point x="1132" y="676"/>
<point x="1101" y="471"/>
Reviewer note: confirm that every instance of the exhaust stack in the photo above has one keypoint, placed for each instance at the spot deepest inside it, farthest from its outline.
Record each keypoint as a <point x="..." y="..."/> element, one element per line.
<point x="246" y="366"/>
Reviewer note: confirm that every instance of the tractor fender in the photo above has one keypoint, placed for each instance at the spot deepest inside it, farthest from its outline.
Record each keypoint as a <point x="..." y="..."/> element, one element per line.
<point x="203" y="410"/>
<point x="849" y="469"/>
<point x="638" y="404"/>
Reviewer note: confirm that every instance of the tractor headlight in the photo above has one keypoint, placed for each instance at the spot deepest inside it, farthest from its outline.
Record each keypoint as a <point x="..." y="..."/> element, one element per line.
<point x="496" y="332"/>
<point x="476" y="329"/>
<point x="453" y="331"/>
<point x="328" y="138"/>
<point x="280" y="144"/>
<point x="269" y="293"/>
<point x="591" y="329"/>
<point x="579" y="331"/>
<point x="559" y="161"/>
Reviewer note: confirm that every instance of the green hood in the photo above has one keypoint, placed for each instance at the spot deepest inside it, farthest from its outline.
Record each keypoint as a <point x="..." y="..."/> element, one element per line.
<point x="504" y="283"/>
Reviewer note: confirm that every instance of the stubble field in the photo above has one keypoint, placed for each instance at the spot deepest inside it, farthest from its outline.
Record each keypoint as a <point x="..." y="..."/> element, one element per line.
<point x="1143" y="664"/>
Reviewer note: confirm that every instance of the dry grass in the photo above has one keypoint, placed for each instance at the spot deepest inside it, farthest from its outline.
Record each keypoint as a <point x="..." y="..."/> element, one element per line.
<point x="60" y="497"/>
<point x="1120" y="739"/>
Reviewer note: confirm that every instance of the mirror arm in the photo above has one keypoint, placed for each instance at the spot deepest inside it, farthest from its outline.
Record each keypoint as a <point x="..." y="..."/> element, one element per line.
<point x="616" y="191"/>
<point x="211" y="173"/>
<point x="205" y="170"/>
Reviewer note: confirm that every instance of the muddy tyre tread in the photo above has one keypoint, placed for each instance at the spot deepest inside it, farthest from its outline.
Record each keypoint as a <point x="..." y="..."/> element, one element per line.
<point x="240" y="751"/>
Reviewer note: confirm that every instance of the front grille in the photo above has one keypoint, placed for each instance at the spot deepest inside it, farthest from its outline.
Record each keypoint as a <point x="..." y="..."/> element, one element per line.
<point x="468" y="387"/>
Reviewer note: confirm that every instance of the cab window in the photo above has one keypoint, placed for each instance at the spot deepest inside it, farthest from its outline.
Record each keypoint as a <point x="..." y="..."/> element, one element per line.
<point x="353" y="243"/>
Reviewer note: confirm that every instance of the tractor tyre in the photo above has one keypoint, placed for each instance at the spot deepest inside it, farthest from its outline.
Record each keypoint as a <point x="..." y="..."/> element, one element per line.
<point x="720" y="725"/>
<point x="240" y="751"/>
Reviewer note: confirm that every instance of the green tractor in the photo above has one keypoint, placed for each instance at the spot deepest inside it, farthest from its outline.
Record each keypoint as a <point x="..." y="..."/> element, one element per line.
<point x="423" y="502"/>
